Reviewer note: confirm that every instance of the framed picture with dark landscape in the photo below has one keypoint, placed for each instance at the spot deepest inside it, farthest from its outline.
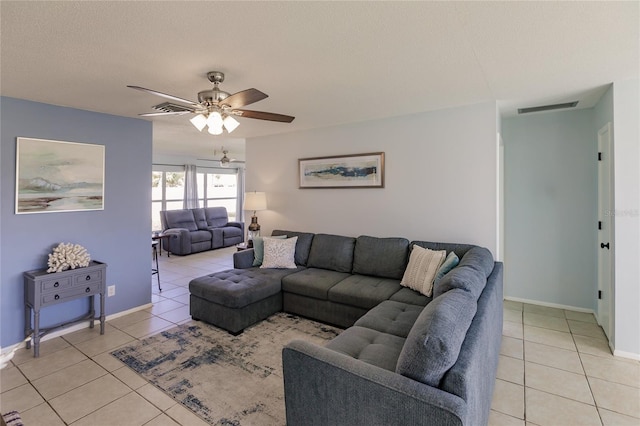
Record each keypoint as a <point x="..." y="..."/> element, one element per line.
<point x="57" y="176"/>
<point x="342" y="171"/>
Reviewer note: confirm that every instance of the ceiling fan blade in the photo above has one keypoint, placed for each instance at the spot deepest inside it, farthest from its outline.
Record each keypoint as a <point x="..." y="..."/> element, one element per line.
<point x="243" y="98"/>
<point x="260" y="115"/>
<point x="155" y="114"/>
<point x="164" y="95"/>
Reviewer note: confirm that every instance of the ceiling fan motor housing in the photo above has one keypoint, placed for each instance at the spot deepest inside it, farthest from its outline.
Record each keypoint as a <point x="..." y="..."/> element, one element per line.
<point x="212" y="96"/>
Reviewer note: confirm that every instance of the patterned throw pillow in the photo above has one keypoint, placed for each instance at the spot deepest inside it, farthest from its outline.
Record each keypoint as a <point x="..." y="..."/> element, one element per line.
<point x="279" y="253"/>
<point x="422" y="268"/>
<point x="258" y="249"/>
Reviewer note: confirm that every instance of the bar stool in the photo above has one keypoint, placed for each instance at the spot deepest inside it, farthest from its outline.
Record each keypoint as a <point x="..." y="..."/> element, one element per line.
<point x="156" y="270"/>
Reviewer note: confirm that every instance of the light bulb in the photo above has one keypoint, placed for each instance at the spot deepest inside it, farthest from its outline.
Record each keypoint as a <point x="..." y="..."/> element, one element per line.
<point x="215" y="121"/>
<point x="230" y="123"/>
<point x="199" y="121"/>
<point x="215" y="130"/>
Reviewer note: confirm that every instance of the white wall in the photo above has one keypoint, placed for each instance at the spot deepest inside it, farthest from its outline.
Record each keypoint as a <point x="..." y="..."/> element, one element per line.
<point x="551" y="208"/>
<point x="441" y="172"/>
<point x="626" y="146"/>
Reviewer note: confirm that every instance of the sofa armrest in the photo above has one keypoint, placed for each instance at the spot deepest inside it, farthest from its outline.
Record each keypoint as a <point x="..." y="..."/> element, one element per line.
<point x="237" y="225"/>
<point x="325" y="387"/>
<point x="243" y="259"/>
<point x="179" y="240"/>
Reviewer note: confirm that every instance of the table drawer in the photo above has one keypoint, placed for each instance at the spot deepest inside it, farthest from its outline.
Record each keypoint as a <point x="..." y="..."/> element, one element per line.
<point x="88" y="278"/>
<point x="56" y="284"/>
<point x="70" y="294"/>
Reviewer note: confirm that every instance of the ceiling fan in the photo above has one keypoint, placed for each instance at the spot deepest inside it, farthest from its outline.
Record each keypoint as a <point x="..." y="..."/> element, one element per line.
<point x="215" y="108"/>
<point x="225" y="161"/>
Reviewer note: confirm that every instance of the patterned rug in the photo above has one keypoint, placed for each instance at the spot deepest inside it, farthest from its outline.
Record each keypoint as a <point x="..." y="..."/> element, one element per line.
<point x="224" y="379"/>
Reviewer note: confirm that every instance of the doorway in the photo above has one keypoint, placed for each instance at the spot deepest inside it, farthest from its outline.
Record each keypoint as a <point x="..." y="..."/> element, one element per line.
<point x="605" y="231"/>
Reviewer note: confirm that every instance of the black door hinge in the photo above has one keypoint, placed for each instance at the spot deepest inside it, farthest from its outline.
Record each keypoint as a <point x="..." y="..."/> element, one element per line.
<point x="599" y="156"/>
<point x="599" y="294"/>
<point x="599" y="225"/>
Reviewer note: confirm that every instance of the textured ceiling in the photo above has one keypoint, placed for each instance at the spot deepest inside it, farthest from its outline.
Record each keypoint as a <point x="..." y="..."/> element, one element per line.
<point x="327" y="63"/>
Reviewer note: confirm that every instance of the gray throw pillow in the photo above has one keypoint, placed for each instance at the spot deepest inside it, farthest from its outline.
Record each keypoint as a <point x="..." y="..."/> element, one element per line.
<point x="434" y="342"/>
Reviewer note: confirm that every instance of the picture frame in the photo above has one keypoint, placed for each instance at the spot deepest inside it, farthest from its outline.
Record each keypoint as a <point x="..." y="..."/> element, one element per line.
<point x="56" y="176"/>
<point x="342" y="171"/>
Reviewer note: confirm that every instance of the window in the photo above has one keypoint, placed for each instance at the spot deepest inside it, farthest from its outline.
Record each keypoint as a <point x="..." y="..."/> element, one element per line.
<point x="215" y="189"/>
<point x="220" y="190"/>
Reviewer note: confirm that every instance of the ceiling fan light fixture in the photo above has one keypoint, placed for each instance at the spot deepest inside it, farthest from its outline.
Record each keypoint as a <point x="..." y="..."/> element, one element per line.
<point x="199" y="122"/>
<point x="214" y="120"/>
<point x="215" y="130"/>
<point x="230" y="123"/>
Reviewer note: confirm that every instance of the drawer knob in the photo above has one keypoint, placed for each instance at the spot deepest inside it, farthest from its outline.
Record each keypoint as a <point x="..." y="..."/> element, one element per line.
<point x="56" y="297"/>
<point x="87" y="290"/>
<point x="56" y="284"/>
<point x="88" y="278"/>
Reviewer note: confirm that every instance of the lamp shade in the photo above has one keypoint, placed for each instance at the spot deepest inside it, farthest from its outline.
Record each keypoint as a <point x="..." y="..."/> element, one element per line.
<point x="199" y="121"/>
<point x="255" y="201"/>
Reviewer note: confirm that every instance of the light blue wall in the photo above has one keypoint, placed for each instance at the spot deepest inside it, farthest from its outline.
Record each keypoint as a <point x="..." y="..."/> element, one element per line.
<point x="118" y="235"/>
<point x="551" y="208"/>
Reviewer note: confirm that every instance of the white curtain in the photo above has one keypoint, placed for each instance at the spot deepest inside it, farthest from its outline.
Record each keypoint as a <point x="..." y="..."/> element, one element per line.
<point x="190" y="187"/>
<point x="240" y="198"/>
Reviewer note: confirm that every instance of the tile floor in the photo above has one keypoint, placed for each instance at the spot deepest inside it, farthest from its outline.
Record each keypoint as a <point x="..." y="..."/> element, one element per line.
<point x="555" y="367"/>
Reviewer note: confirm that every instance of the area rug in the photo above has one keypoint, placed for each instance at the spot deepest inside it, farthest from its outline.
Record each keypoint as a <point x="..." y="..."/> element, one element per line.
<point x="224" y="379"/>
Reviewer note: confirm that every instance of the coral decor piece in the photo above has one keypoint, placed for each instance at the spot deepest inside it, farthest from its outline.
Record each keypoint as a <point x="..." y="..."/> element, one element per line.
<point x="68" y="256"/>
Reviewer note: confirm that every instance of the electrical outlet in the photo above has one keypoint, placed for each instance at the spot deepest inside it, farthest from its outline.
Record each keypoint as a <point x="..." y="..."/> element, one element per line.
<point x="111" y="290"/>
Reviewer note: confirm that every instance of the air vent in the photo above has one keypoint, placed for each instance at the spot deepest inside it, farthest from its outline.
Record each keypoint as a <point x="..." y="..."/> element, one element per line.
<point x="169" y="107"/>
<point x="547" y="107"/>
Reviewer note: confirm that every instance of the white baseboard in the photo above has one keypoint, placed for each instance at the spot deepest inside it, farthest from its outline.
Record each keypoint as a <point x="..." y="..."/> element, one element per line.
<point x="618" y="353"/>
<point x="6" y="353"/>
<point x="550" y="305"/>
<point x="629" y="355"/>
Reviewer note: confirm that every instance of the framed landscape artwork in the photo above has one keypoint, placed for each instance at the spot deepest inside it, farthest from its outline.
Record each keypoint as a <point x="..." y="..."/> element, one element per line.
<point x="342" y="171"/>
<point x="56" y="176"/>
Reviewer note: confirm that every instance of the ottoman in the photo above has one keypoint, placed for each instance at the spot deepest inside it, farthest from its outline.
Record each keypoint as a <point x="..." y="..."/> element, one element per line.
<point x="235" y="299"/>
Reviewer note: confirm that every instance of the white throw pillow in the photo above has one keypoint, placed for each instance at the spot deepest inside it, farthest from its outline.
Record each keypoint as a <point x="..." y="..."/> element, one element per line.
<point x="279" y="253"/>
<point x="422" y="268"/>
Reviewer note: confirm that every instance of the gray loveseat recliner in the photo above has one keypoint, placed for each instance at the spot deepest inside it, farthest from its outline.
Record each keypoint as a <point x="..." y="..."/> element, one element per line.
<point x="404" y="358"/>
<point x="200" y="229"/>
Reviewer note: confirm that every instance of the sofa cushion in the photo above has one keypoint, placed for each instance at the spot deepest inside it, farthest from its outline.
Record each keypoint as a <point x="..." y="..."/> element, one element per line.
<point x="333" y="252"/>
<point x="380" y="257"/>
<point x="391" y="317"/>
<point x="216" y="216"/>
<point x="470" y="274"/>
<point x="480" y="259"/>
<point x="422" y="268"/>
<point x="363" y="291"/>
<point x="200" y="236"/>
<point x="303" y="246"/>
<point x="434" y="342"/>
<point x="181" y="219"/>
<point x="459" y="249"/>
<point x="279" y="253"/>
<point x="231" y="232"/>
<point x="370" y="346"/>
<point x="312" y="282"/>
<point x="406" y="295"/>
<point x="237" y="288"/>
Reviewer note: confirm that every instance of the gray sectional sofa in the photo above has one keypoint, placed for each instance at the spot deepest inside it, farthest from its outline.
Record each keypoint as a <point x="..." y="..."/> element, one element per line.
<point x="404" y="358"/>
<point x="200" y="229"/>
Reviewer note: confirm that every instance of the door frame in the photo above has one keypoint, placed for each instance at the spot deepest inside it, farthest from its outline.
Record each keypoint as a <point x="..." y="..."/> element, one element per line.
<point x="605" y="232"/>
